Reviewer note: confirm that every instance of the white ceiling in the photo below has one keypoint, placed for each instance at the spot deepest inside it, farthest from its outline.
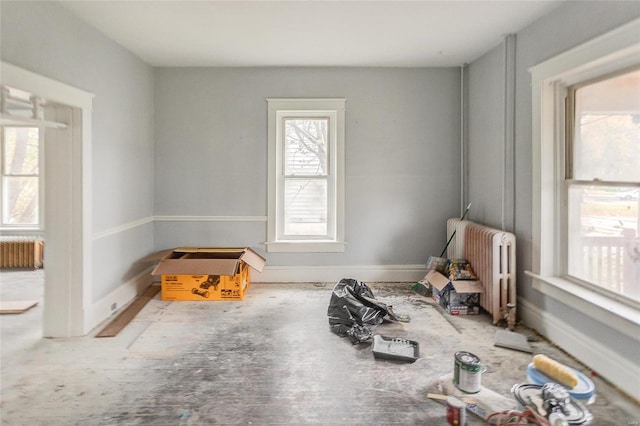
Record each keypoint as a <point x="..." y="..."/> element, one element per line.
<point x="310" y="32"/>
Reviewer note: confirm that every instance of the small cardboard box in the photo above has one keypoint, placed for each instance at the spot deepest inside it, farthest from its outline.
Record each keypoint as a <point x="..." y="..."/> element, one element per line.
<point x="460" y="297"/>
<point x="196" y="273"/>
<point x="438" y="284"/>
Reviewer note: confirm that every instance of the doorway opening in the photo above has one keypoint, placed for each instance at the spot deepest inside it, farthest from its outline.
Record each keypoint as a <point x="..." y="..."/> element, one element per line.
<point x="63" y="113"/>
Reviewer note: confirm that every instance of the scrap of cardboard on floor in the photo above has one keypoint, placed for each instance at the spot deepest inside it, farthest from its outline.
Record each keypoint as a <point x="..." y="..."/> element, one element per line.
<point x="512" y="340"/>
<point x="16" y="306"/>
<point x="120" y="322"/>
<point x="486" y="400"/>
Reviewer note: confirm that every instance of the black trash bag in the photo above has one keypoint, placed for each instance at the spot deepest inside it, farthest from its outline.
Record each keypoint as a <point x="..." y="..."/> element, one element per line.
<point x="353" y="310"/>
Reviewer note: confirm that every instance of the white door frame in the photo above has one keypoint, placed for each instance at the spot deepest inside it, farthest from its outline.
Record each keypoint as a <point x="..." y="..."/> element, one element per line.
<point x="67" y="168"/>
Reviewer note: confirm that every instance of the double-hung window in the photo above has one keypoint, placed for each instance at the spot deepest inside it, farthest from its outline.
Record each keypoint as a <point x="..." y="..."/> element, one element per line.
<point x="21" y="151"/>
<point x="306" y="175"/>
<point x="602" y="182"/>
<point x="586" y="178"/>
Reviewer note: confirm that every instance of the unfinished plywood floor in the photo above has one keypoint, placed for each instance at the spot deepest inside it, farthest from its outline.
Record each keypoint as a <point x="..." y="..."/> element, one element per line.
<point x="270" y="359"/>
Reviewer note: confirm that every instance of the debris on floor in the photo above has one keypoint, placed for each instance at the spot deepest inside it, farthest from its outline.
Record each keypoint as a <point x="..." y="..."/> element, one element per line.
<point x="466" y="403"/>
<point x="353" y="311"/>
<point x="544" y="370"/>
<point x="512" y="340"/>
<point x="439" y="263"/>
<point x="116" y="325"/>
<point x="395" y="348"/>
<point x="16" y="306"/>
<point x="422" y="287"/>
<point x="552" y="402"/>
<point x="497" y="410"/>
<point x="555" y="370"/>
<point x="461" y="269"/>
<point x="467" y="372"/>
<point x="556" y="394"/>
<point x="452" y="283"/>
<point x="486" y="400"/>
<point x="161" y="356"/>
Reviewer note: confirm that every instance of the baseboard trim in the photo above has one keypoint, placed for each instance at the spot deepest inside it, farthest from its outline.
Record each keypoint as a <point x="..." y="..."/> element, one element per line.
<point x="619" y="371"/>
<point x="102" y="310"/>
<point x="334" y="273"/>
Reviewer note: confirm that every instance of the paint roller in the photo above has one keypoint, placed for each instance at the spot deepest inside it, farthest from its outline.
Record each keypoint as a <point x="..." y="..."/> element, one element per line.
<point x="555" y="370"/>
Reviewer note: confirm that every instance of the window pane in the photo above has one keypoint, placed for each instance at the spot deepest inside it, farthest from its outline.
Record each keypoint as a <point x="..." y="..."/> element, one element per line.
<point x="305" y="142"/>
<point x="305" y="211"/>
<point x="21" y="150"/>
<point x="603" y="243"/>
<point x="607" y="144"/>
<point x="20" y="201"/>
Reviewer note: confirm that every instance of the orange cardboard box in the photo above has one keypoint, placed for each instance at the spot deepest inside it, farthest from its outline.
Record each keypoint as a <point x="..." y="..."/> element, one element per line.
<point x="203" y="274"/>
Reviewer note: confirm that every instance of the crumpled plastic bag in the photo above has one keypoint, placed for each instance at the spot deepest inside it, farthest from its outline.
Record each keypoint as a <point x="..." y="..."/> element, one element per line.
<point x="353" y="311"/>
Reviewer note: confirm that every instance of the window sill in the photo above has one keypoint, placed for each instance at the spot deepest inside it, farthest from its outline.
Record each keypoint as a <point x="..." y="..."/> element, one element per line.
<point x="305" y="247"/>
<point x="14" y="230"/>
<point x="613" y="313"/>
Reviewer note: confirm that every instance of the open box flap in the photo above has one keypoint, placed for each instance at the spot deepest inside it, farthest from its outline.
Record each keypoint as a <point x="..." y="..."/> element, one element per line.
<point x="234" y="252"/>
<point x="197" y="267"/>
<point x="437" y="280"/>
<point x="254" y="260"/>
<point x="227" y="256"/>
<point x="155" y="257"/>
<point x="245" y="254"/>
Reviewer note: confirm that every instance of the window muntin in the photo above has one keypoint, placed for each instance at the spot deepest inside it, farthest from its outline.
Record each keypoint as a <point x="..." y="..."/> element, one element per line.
<point x="602" y="185"/>
<point x="20" y="177"/>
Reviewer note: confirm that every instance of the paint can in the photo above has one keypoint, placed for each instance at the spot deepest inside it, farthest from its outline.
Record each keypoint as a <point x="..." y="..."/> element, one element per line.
<point x="467" y="372"/>
<point x="456" y="414"/>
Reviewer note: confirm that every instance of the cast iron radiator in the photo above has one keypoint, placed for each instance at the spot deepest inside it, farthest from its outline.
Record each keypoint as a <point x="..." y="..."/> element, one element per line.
<point x="492" y="254"/>
<point x="21" y="252"/>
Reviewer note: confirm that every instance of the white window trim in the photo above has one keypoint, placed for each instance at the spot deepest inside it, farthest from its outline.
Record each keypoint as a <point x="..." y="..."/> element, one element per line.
<point x="38" y="229"/>
<point x="275" y="109"/>
<point x="616" y="50"/>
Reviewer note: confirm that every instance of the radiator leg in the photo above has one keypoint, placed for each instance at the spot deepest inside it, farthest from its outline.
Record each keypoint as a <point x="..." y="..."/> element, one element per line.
<point x="510" y="315"/>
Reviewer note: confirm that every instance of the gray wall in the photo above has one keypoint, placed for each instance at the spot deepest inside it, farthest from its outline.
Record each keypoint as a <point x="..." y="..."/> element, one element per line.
<point x="45" y="38"/>
<point x="402" y="150"/>
<point x="542" y="40"/>
<point x="485" y="137"/>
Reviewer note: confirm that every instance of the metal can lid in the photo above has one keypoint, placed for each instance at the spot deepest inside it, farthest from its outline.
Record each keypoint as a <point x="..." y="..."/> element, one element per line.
<point x="455" y="402"/>
<point x="467" y="358"/>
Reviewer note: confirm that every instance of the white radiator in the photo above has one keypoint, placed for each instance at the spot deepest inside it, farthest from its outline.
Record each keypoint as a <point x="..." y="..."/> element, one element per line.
<point x="455" y="250"/>
<point x="492" y="254"/>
